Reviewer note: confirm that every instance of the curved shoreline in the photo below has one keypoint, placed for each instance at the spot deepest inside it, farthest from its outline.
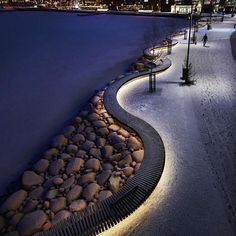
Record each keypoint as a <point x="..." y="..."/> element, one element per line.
<point x="114" y="209"/>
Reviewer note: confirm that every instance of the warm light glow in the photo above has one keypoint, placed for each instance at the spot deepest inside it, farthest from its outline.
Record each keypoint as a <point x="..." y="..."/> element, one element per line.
<point x="158" y="196"/>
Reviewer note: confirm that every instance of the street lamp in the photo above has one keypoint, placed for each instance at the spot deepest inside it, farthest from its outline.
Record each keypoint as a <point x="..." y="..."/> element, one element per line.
<point x="186" y="67"/>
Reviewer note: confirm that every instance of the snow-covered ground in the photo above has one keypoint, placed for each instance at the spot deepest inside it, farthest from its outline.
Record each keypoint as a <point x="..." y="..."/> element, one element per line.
<point x="197" y="191"/>
<point x="50" y="65"/>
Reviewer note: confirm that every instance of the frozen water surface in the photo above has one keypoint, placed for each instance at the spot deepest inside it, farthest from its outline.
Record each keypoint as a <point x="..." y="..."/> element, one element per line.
<point x="50" y="65"/>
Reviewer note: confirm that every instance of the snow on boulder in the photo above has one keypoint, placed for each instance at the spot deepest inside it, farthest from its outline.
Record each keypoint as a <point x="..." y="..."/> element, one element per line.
<point x="57" y="204"/>
<point x="61" y="215"/>
<point x="93" y="164"/>
<point x="59" y="141"/>
<point x="134" y="143"/>
<point x="77" y="205"/>
<point x="74" y="193"/>
<point x="74" y="165"/>
<point x="14" y="201"/>
<point x="32" y="223"/>
<point x="90" y="191"/>
<point x="138" y="156"/>
<point x="30" y="178"/>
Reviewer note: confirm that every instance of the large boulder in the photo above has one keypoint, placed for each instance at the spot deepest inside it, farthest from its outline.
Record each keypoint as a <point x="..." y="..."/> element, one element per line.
<point x="93" y="116"/>
<point x="123" y="132"/>
<point x="90" y="191"/>
<point x="61" y="215"/>
<point x="138" y="156"/>
<point x="95" y="152"/>
<point x="128" y="171"/>
<point x="51" y="153"/>
<point x="114" y="183"/>
<point x="59" y="141"/>
<point x="56" y="166"/>
<point x="67" y="184"/>
<point x="72" y="149"/>
<point x="37" y="193"/>
<point x="104" y="194"/>
<point x="101" y="142"/>
<point x="77" y="205"/>
<point x="14" y="201"/>
<point x="116" y="138"/>
<point x="114" y="127"/>
<point x="74" y="165"/>
<point x="107" y="166"/>
<point x="103" y="131"/>
<point x="115" y="157"/>
<point x="87" y="178"/>
<point x="16" y="219"/>
<point x="57" y="204"/>
<point x="91" y="136"/>
<point x="74" y="193"/>
<point x="30" y="206"/>
<point x="88" y="145"/>
<point x="107" y="151"/>
<point x="32" y="223"/>
<point x="30" y="178"/>
<point x="78" y="139"/>
<point x="127" y="160"/>
<point x="93" y="164"/>
<point x="68" y="131"/>
<point x="134" y="143"/>
<point x="99" y="124"/>
<point x="41" y="166"/>
<point x="103" y="177"/>
<point x="51" y="194"/>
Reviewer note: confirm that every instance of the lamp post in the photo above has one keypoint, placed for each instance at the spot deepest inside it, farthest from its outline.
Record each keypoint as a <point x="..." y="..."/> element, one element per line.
<point x="185" y="75"/>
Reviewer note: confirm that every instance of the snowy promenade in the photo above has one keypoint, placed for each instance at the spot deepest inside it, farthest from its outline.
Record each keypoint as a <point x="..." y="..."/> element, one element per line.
<point x="197" y="191"/>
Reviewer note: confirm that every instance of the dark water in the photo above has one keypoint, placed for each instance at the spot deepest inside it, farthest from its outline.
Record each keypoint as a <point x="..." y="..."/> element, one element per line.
<point x="50" y="65"/>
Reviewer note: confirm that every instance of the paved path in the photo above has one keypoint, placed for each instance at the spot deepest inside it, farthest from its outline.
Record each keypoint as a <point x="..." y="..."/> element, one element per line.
<point x="197" y="191"/>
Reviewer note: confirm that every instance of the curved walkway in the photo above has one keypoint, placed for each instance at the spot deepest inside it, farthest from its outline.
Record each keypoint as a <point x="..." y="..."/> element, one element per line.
<point x="196" y="194"/>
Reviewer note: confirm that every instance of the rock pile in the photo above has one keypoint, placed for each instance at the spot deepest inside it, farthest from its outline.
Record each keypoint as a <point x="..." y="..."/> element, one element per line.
<point x="88" y="162"/>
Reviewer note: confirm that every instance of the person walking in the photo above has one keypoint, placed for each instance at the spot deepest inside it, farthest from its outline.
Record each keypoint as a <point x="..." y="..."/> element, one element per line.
<point x="204" y="39"/>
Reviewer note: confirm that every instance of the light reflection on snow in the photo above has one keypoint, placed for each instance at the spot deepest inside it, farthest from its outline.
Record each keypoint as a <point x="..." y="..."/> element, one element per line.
<point x="155" y="200"/>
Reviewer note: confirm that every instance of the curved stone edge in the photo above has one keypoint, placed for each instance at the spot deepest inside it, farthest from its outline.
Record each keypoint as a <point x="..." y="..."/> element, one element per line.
<point x="147" y="52"/>
<point x="103" y="215"/>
